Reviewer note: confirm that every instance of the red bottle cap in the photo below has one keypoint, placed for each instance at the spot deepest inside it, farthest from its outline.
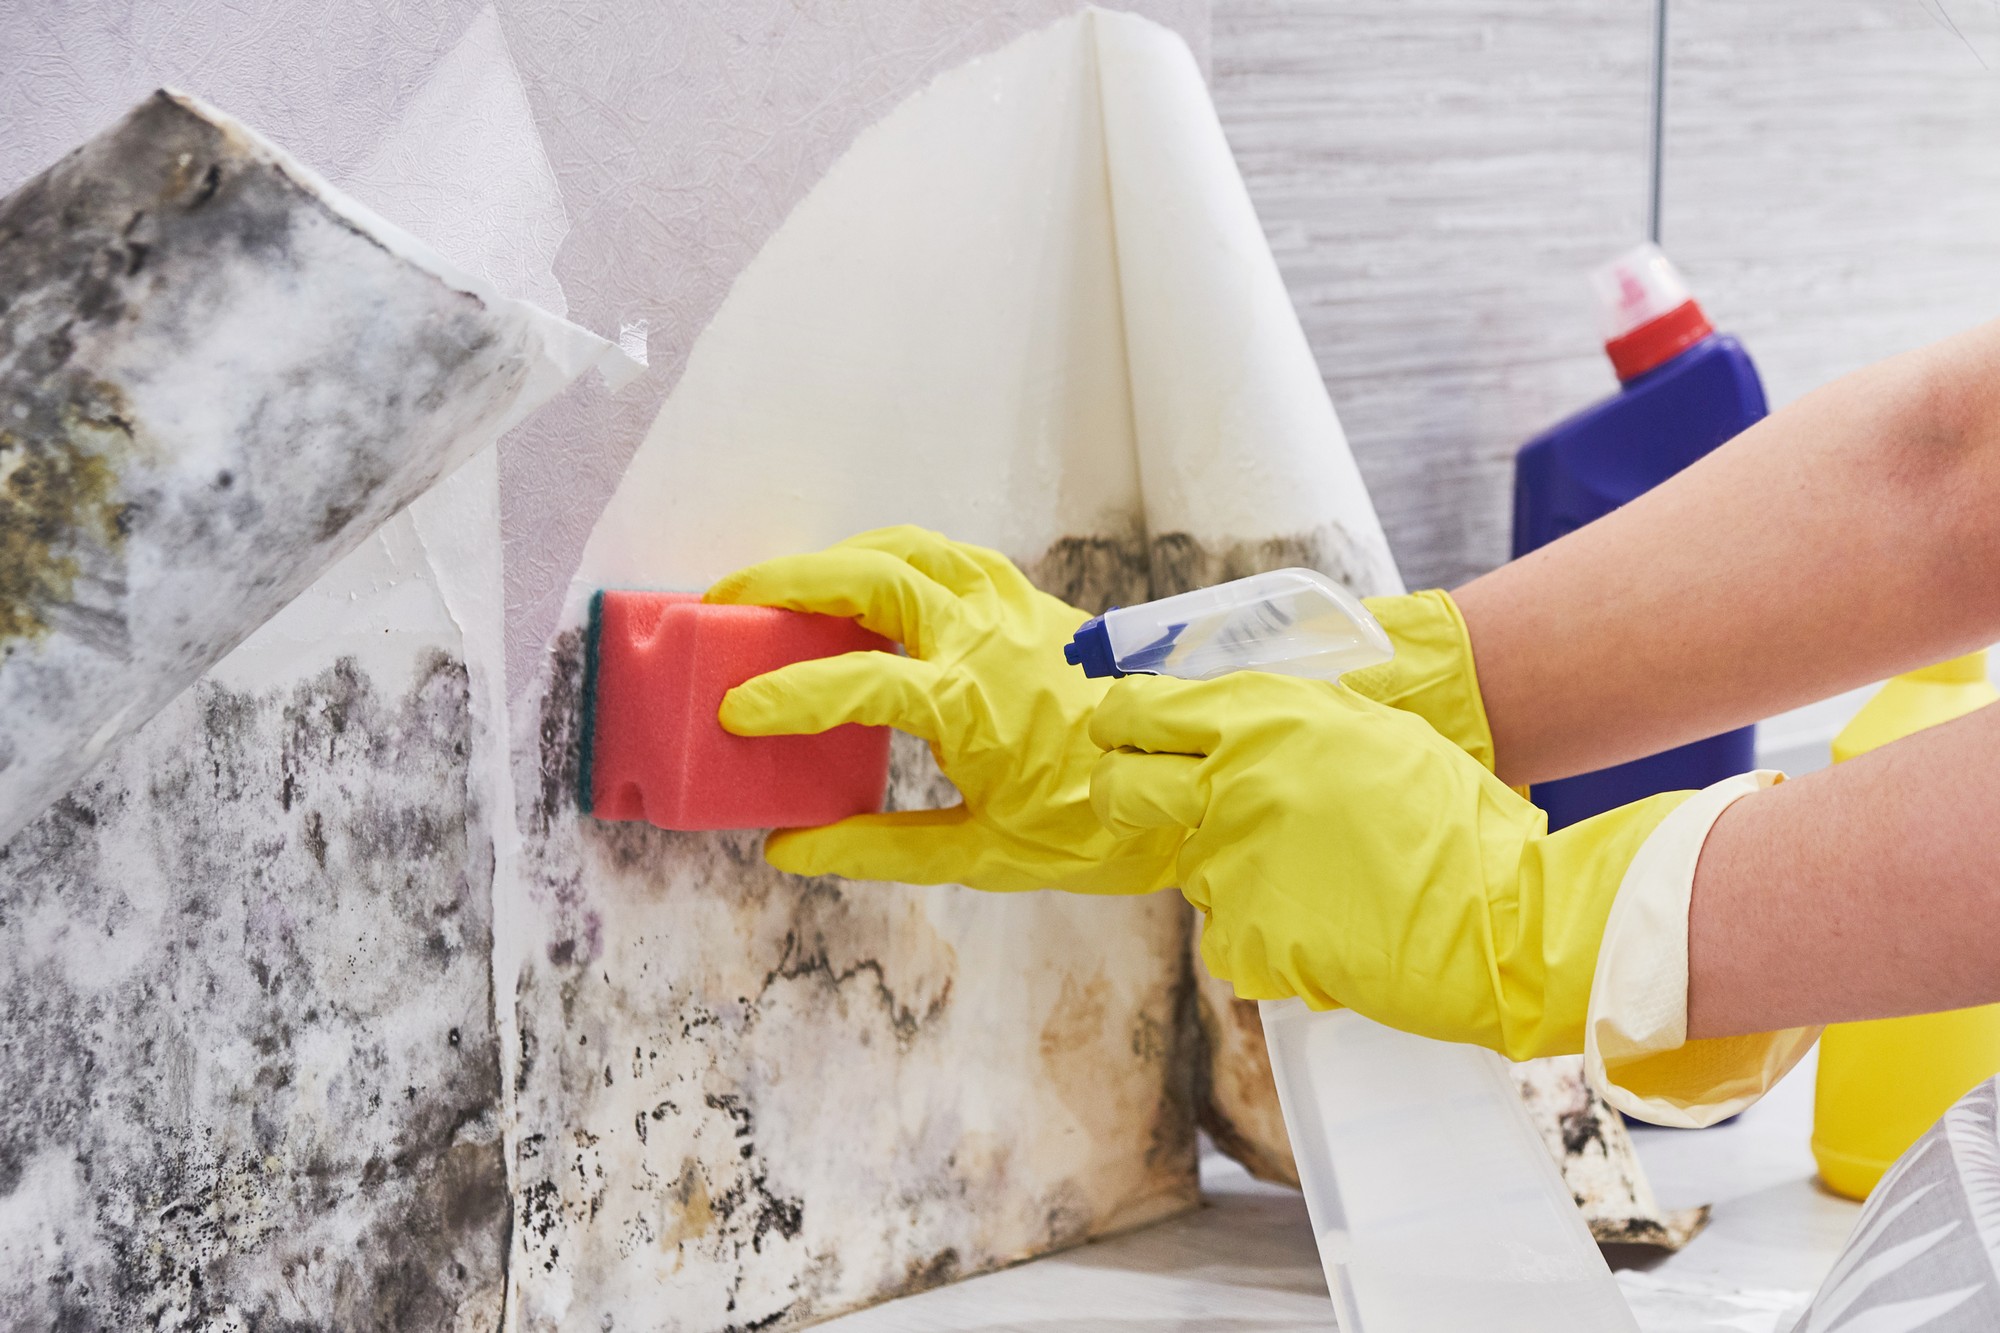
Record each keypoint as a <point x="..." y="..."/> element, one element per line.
<point x="1648" y="316"/>
<point x="1658" y="341"/>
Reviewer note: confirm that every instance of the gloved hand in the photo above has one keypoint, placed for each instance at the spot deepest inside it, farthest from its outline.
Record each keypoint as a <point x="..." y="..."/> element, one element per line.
<point x="1432" y="673"/>
<point x="984" y="682"/>
<point x="1344" y="852"/>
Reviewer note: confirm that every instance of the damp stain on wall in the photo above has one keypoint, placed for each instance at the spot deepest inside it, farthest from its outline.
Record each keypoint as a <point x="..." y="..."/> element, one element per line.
<point x="1180" y="561"/>
<point x="246" y="1025"/>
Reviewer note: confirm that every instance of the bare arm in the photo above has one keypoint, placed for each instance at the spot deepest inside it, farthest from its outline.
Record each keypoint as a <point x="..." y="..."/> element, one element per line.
<point x="1850" y="536"/>
<point x="1868" y="890"/>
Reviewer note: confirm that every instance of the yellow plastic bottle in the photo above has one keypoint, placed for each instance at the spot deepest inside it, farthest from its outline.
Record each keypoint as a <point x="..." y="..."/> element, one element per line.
<point x="1882" y="1084"/>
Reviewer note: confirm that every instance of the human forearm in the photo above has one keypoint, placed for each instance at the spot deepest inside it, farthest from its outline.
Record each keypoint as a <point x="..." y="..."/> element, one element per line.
<point x="1868" y="890"/>
<point x="1848" y="537"/>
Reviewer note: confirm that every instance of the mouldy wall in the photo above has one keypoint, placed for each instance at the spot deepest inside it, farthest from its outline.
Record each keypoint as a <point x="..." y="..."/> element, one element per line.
<point x="749" y="1101"/>
<point x="263" y="1084"/>
<point x="245" y="1021"/>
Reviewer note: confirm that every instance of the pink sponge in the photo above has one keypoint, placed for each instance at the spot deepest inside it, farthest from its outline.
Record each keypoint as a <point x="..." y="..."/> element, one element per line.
<point x="655" y="670"/>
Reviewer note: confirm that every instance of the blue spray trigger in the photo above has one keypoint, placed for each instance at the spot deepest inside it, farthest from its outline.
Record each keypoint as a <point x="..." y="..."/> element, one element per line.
<point x="1090" y="649"/>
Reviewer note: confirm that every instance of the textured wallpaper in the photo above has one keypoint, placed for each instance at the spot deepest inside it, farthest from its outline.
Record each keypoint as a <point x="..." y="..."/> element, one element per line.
<point x="1436" y="180"/>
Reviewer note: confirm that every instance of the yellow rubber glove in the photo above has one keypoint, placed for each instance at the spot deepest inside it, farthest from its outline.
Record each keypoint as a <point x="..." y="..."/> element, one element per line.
<point x="1346" y="853"/>
<point x="984" y="682"/>
<point x="1432" y="673"/>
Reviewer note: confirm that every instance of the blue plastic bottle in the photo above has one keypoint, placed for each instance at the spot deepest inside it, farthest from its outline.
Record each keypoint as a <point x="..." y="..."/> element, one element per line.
<point x="1684" y="389"/>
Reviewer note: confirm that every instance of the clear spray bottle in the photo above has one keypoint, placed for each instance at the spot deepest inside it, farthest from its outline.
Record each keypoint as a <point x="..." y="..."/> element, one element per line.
<point x="1433" y="1200"/>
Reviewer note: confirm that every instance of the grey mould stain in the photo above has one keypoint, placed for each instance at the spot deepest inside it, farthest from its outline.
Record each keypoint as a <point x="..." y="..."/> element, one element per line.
<point x="718" y="1203"/>
<point x="246" y="1024"/>
<point x="136" y="235"/>
<point x="1599" y="1165"/>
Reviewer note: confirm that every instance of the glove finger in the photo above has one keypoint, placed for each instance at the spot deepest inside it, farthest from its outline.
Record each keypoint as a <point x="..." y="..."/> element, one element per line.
<point x="906" y="846"/>
<point x="1214" y="949"/>
<point x="1241" y="967"/>
<point x="1001" y="572"/>
<point x="887" y="595"/>
<point x="950" y="563"/>
<point x="1131" y="791"/>
<point x="1160" y="715"/>
<point x="873" y="688"/>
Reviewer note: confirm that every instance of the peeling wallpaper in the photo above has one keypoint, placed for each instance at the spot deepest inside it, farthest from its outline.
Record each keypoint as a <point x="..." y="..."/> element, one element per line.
<point x="290" y="1093"/>
<point x="222" y="377"/>
<point x="620" y="1052"/>
<point x="1002" y="1074"/>
<point x="333" y="1012"/>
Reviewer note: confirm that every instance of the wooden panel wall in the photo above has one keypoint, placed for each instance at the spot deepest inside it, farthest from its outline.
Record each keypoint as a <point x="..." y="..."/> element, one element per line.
<point x="1435" y="177"/>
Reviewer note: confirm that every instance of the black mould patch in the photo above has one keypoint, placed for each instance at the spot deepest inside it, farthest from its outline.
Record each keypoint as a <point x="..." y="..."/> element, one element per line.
<point x="1173" y="1045"/>
<point x="1180" y="561"/>
<point x="935" y="1271"/>
<point x="1094" y="573"/>
<point x="245" y="1022"/>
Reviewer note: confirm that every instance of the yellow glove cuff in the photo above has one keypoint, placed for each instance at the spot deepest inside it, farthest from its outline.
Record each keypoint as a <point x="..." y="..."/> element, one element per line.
<point x="1568" y="888"/>
<point x="1432" y="674"/>
<point x="1636" y="1051"/>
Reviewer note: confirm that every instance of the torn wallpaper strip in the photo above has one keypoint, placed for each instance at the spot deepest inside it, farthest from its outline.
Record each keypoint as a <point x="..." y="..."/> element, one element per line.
<point x="224" y="374"/>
